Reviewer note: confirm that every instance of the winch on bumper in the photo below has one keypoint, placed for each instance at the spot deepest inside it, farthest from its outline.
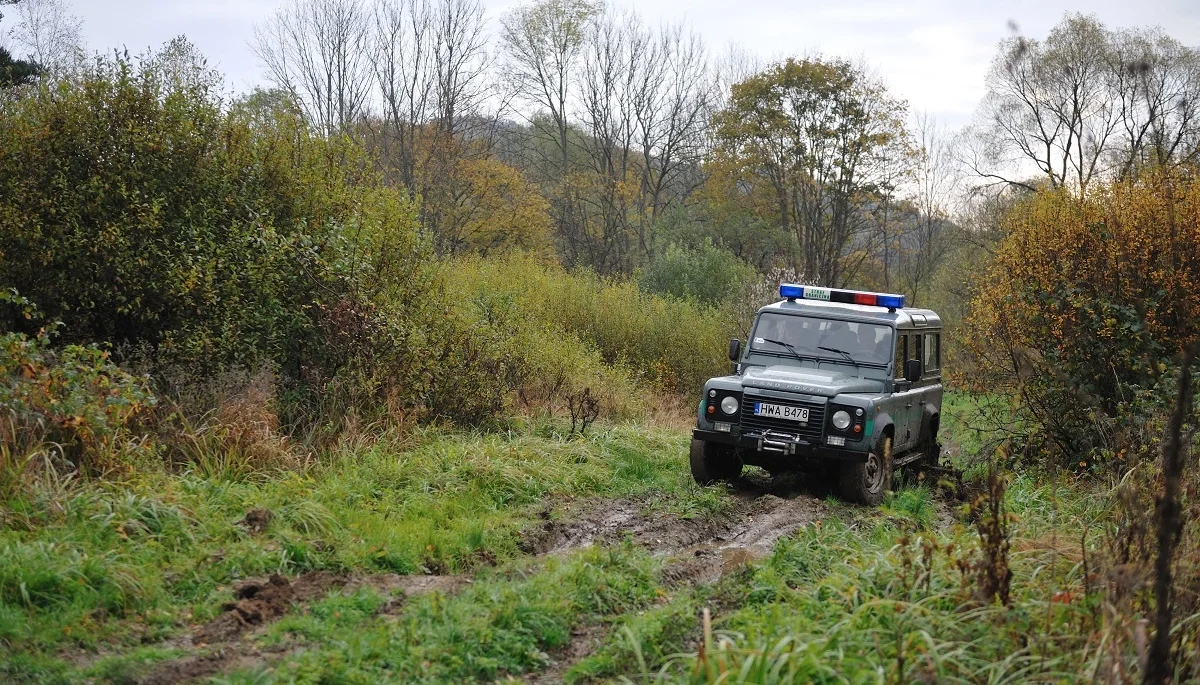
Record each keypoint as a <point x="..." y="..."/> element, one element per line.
<point x="774" y="443"/>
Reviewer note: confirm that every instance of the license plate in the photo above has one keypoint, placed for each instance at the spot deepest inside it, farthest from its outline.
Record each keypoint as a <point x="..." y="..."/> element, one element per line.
<point x="779" y="411"/>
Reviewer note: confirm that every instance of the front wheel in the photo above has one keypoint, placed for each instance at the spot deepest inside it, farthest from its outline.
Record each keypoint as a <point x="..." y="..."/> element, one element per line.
<point x="867" y="481"/>
<point x="711" y="462"/>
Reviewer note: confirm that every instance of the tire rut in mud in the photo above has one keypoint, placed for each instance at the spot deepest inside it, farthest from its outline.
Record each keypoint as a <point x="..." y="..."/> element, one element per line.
<point x="223" y="645"/>
<point x="696" y="550"/>
<point x="752" y="525"/>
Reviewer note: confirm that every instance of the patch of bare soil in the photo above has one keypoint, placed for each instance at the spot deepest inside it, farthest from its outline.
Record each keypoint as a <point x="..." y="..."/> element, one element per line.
<point x="610" y="521"/>
<point x="585" y="640"/>
<point x="702" y="550"/>
<point x="401" y="588"/>
<point x="258" y="602"/>
<point x="753" y="524"/>
<point x="224" y="659"/>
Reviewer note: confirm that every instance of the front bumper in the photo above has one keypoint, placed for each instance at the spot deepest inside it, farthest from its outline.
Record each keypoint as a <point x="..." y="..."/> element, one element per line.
<point x="782" y="445"/>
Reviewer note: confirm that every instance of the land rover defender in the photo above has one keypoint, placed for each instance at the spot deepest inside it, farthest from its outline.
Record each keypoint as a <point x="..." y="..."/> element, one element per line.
<point x="842" y="377"/>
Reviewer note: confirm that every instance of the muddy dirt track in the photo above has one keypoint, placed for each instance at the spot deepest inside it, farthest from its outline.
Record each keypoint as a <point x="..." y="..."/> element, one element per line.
<point x="699" y="549"/>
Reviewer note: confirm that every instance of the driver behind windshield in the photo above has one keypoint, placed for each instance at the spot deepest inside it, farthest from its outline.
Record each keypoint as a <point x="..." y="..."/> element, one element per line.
<point x="839" y="336"/>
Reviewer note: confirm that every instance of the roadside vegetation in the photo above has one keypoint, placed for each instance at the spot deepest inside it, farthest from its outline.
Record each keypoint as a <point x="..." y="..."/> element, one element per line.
<point x="296" y="391"/>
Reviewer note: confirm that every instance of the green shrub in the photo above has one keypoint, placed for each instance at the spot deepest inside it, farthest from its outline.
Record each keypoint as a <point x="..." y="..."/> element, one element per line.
<point x="74" y="399"/>
<point x="706" y="273"/>
<point x="1087" y="303"/>
<point x="138" y="208"/>
<point x="669" y="344"/>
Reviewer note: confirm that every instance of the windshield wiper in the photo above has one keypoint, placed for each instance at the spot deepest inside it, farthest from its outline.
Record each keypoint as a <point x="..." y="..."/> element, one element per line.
<point x="844" y="353"/>
<point x="781" y="343"/>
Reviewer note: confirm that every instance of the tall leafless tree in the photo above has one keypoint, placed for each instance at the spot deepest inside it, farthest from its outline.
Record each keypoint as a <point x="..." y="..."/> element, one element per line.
<point x="615" y="53"/>
<point x="542" y="45"/>
<point x="1048" y="104"/>
<point x="405" y="74"/>
<point x="1157" y="84"/>
<point x="926" y="242"/>
<point x="1086" y="103"/>
<point x="673" y="111"/>
<point x="319" y="52"/>
<point x="49" y="33"/>
<point x="460" y="61"/>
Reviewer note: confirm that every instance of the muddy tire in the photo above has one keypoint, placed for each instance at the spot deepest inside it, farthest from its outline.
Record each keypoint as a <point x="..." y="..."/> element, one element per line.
<point x="712" y="463"/>
<point x="931" y="453"/>
<point x="865" y="483"/>
<point x="930" y="448"/>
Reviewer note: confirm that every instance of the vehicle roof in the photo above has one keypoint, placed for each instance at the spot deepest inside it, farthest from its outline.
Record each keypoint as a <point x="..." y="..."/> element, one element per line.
<point x="908" y="317"/>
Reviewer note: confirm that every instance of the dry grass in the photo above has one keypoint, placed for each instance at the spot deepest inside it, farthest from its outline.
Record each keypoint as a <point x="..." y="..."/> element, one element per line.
<point x="239" y="437"/>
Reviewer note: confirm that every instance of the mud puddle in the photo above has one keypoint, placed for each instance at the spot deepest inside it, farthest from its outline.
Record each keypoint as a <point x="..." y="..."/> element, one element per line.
<point x="701" y="549"/>
<point x="697" y="551"/>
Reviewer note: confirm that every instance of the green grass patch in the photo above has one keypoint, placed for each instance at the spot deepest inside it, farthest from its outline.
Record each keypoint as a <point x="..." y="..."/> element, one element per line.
<point x="135" y="562"/>
<point x="504" y="623"/>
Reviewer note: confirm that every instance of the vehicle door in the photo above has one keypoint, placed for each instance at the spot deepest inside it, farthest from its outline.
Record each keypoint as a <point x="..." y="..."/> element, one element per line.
<point x="901" y="402"/>
<point x="929" y="391"/>
<point x="918" y="394"/>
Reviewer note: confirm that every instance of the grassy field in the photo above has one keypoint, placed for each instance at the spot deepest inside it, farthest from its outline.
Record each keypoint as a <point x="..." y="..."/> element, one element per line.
<point x="529" y="556"/>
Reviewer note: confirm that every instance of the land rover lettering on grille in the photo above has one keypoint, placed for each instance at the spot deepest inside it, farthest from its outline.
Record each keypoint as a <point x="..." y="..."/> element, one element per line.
<point x="829" y="377"/>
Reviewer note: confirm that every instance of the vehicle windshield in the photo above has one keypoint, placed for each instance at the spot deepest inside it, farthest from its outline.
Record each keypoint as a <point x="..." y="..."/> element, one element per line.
<point x="813" y="338"/>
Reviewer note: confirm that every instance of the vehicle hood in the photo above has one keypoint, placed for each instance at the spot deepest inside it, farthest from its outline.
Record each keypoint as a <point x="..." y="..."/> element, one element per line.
<point x="807" y="381"/>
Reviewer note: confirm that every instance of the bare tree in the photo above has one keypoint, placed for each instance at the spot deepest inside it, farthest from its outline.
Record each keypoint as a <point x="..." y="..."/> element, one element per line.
<point x="542" y="44"/>
<point x="614" y="56"/>
<point x="319" y="51"/>
<point x="673" y="111"/>
<point x="49" y="33"/>
<point x="405" y="75"/>
<point x="1087" y="102"/>
<point x="460" y="61"/>
<point x="734" y="65"/>
<point x="1157" y="84"/>
<point x="926" y="243"/>
<point x="1049" y="104"/>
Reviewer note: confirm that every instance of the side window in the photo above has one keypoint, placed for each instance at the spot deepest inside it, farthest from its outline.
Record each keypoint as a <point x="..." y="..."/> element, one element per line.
<point x="901" y="354"/>
<point x="917" y="348"/>
<point x="933" y="356"/>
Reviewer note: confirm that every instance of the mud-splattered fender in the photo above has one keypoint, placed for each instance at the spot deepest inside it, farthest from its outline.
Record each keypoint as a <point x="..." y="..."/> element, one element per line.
<point x="878" y="426"/>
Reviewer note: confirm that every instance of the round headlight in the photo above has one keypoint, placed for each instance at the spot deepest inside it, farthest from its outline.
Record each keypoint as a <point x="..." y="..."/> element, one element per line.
<point x="729" y="405"/>
<point x="841" y="420"/>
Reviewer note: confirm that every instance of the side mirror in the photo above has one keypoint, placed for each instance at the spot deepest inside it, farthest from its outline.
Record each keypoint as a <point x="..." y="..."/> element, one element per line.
<point x="735" y="349"/>
<point x="912" y="370"/>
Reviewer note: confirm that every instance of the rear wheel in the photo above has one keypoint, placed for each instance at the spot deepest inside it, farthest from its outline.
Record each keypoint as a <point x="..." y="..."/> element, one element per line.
<point x="867" y="481"/>
<point x="931" y="449"/>
<point x="712" y="462"/>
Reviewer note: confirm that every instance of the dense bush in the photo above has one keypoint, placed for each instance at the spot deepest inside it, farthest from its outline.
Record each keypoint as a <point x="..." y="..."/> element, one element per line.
<point x="138" y="208"/>
<point x="707" y="273"/>
<point x="1086" y="306"/>
<point x="72" y="400"/>
<point x="141" y="210"/>
<point x="671" y="344"/>
<point x="200" y="238"/>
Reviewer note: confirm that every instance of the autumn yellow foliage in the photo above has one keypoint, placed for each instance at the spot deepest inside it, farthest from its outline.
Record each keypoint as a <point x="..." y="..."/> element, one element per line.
<point x="1089" y="299"/>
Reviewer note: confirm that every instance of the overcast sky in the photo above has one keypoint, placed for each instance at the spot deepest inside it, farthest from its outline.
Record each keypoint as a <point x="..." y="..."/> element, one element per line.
<point x="934" y="53"/>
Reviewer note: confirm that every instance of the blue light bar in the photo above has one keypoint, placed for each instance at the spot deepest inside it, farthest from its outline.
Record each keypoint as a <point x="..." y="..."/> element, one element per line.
<point x="889" y="301"/>
<point x="792" y="291"/>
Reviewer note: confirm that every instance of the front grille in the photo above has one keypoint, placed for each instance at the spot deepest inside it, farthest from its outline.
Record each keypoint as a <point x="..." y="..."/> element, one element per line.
<point x="811" y="430"/>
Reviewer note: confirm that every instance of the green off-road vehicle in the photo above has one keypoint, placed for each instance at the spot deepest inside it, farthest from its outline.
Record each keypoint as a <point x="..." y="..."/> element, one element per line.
<point x="829" y="376"/>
